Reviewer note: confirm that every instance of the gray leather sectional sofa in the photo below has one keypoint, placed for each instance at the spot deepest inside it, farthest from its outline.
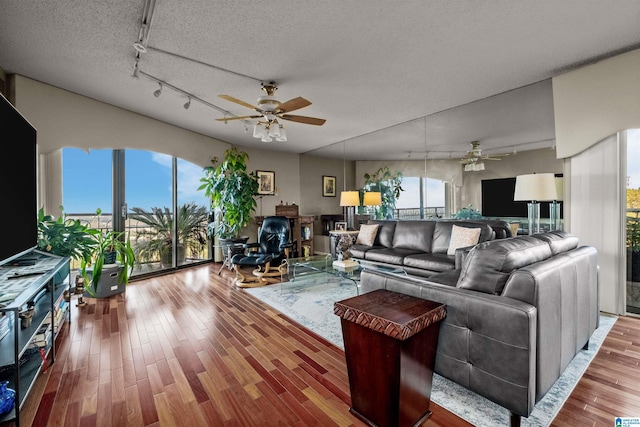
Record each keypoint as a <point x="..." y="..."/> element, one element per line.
<point x="518" y="311"/>
<point x="420" y="247"/>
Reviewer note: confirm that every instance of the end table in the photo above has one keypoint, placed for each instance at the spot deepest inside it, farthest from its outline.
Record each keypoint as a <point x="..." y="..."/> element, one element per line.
<point x="390" y="342"/>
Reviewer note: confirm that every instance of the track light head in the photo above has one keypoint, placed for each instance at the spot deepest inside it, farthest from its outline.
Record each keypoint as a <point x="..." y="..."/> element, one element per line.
<point x="187" y="104"/>
<point x="158" y="92"/>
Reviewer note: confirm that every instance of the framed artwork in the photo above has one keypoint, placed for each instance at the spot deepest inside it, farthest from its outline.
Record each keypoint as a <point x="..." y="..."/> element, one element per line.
<point x="266" y="182"/>
<point x="328" y="186"/>
<point x="342" y="226"/>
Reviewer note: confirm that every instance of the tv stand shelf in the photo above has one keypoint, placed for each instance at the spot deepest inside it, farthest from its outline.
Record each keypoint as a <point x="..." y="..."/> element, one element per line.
<point x="24" y="351"/>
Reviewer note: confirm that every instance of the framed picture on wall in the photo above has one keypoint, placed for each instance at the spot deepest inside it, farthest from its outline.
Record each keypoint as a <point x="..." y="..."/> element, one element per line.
<point x="266" y="182"/>
<point x="328" y="186"/>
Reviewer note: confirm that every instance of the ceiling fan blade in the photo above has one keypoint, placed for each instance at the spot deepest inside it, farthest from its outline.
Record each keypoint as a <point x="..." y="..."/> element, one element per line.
<point x="293" y="104"/>
<point x="224" y="119"/>
<point x="303" y="119"/>
<point x="237" y="101"/>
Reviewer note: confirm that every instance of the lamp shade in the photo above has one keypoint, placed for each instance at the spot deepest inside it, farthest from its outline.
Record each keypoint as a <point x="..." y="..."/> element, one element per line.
<point x="372" y="198"/>
<point x="536" y="186"/>
<point x="349" y="198"/>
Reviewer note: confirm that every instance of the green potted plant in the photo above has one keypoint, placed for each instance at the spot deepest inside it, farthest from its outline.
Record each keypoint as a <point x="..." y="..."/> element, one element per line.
<point x="468" y="212"/>
<point x="156" y="241"/>
<point x="389" y="184"/>
<point x="66" y="237"/>
<point x="107" y="243"/>
<point x="232" y="191"/>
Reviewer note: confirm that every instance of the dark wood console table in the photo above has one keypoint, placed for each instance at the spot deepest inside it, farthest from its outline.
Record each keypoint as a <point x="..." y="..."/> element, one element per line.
<point x="390" y="342"/>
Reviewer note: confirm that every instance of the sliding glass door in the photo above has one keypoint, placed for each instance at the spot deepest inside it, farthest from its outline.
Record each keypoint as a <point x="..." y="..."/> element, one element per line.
<point x="151" y="196"/>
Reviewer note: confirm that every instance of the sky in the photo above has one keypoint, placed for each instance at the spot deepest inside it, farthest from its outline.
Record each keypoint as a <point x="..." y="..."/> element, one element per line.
<point x="410" y="197"/>
<point x="86" y="180"/>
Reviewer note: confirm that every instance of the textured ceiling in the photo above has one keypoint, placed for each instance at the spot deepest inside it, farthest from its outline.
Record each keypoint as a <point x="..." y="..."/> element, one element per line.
<point x="394" y="79"/>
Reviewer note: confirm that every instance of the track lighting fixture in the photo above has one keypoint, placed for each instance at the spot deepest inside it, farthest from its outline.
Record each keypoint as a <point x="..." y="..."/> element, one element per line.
<point x="158" y="92"/>
<point x="187" y="104"/>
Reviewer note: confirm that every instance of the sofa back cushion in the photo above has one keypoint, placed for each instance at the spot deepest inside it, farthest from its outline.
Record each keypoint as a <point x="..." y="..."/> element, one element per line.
<point x="489" y="264"/>
<point x="415" y="235"/>
<point x="385" y="232"/>
<point x="559" y="241"/>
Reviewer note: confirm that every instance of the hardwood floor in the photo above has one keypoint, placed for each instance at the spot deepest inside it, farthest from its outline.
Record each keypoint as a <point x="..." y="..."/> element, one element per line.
<point x="191" y="349"/>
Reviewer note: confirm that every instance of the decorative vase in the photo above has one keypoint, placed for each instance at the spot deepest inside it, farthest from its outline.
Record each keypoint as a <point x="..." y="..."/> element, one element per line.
<point x="7" y="397"/>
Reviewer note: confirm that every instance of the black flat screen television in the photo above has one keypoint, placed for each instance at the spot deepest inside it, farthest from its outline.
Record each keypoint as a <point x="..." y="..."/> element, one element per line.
<point x="18" y="214"/>
<point x="497" y="200"/>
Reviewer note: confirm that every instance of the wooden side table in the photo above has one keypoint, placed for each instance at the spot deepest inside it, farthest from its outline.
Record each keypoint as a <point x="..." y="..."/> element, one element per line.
<point x="390" y="342"/>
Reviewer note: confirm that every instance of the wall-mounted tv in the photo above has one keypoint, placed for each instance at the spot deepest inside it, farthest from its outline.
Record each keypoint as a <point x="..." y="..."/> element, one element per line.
<point x="18" y="215"/>
<point x="497" y="200"/>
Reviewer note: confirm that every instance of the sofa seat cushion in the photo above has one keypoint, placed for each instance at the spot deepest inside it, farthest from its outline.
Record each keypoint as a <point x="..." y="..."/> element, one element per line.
<point x="393" y="256"/>
<point x="488" y="265"/>
<point x="433" y="262"/>
<point x="359" y="251"/>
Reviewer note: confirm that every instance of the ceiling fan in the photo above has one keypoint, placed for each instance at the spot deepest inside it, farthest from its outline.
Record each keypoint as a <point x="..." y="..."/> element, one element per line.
<point x="270" y="109"/>
<point x="472" y="160"/>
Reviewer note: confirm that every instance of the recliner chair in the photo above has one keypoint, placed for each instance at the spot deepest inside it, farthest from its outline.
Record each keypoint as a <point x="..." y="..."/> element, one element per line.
<point x="274" y="246"/>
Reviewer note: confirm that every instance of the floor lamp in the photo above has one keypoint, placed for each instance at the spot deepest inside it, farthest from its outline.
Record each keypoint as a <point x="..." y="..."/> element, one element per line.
<point x="349" y="199"/>
<point x="534" y="188"/>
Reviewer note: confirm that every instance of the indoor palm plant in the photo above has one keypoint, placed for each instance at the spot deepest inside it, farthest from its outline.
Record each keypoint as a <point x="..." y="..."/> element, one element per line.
<point x="232" y="191"/>
<point x="156" y="240"/>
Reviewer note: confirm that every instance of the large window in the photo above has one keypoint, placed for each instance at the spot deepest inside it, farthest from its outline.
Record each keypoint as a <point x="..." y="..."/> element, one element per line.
<point x="421" y="198"/>
<point x="151" y="196"/>
<point x="633" y="221"/>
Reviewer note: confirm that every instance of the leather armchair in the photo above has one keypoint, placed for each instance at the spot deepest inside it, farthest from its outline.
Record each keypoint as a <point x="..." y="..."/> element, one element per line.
<point x="274" y="245"/>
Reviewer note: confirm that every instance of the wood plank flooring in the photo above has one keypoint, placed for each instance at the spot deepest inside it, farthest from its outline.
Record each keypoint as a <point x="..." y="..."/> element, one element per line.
<point x="190" y="349"/>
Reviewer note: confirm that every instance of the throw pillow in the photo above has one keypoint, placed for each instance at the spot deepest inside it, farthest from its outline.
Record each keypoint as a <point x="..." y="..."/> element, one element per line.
<point x="461" y="237"/>
<point x="367" y="234"/>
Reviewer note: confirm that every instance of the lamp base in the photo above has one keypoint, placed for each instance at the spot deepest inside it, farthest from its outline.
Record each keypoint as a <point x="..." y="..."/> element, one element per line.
<point x="534" y="217"/>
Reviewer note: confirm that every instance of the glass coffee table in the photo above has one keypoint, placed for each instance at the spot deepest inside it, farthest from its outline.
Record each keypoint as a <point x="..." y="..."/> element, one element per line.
<point x="296" y="268"/>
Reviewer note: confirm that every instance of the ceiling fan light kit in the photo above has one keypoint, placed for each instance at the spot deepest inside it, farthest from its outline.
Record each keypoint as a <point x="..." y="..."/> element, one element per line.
<point x="270" y="111"/>
<point x="473" y="160"/>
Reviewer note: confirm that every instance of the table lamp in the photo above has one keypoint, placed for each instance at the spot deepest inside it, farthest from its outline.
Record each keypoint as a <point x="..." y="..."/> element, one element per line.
<point x="372" y="198"/>
<point x="349" y="199"/>
<point x="534" y="188"/>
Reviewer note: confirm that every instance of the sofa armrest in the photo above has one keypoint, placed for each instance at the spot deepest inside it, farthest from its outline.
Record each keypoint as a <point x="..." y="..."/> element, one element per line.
<point x="487" y="343"/>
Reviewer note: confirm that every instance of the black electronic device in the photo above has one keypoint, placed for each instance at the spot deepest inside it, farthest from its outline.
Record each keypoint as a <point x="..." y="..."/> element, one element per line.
<point x="497" y="200"/>
<point x="18" y="183"/>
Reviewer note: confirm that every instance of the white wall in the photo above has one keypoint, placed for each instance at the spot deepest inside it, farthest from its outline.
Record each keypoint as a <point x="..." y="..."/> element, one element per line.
<point x="595" y="102"/>
<point x="596" y="194"/>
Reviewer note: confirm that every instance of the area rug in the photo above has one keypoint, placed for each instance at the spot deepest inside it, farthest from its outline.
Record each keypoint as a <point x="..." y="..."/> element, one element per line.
<point x="309" y="301"/>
